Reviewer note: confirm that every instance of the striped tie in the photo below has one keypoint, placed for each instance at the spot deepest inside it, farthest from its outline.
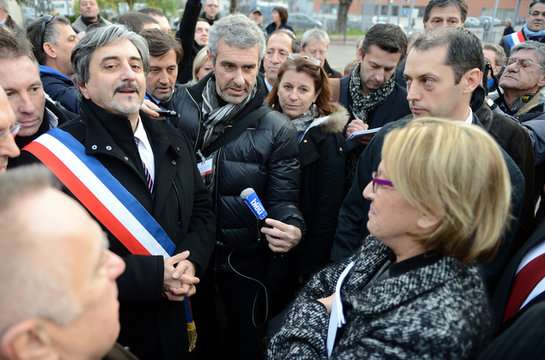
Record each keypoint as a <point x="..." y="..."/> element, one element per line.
<point x="149" y="179"/>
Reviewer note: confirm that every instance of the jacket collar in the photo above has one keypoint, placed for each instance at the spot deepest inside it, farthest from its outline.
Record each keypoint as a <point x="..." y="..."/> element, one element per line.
<point x="47" y="70"/>
<point x="391" y="292"/>
<point x="112" y="134"/>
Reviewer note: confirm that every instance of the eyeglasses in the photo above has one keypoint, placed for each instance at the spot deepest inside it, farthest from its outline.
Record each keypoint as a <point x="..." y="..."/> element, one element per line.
<point x="13" y="130"/>
<point x="48" y="20"/>
<point x="523" y="63"/>
<point x="379" y="182"/>
<point x="537" y="13"/>
<point x="311" y="60"/>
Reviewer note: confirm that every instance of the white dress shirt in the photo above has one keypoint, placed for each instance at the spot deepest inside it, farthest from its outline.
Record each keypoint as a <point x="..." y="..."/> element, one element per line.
<point x="144" y="148"/>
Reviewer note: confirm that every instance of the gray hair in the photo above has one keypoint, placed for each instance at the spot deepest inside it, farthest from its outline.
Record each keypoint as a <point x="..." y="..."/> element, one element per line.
<point x="237" y="31"/>
<point x="103" y="36"/>
<point x="314" y="34"/>
<point x="51" y="34"/>
<point x="501" y="58"/>
<point x="537" y="47"/>
<point x="28" y="292"/>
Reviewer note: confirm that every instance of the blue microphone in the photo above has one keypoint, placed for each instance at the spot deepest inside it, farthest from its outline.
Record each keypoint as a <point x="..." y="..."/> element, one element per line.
<point x="254" y="204"/>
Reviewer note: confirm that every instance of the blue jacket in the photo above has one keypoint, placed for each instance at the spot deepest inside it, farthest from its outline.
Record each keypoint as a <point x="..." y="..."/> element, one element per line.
<point x="60" y="88"/>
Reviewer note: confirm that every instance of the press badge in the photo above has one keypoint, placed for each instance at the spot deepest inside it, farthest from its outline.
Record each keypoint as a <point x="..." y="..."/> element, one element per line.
<point x="205" y="166"/>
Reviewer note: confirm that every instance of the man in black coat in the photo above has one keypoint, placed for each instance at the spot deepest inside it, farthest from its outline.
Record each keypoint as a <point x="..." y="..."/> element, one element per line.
<point x="52" y="41"/>
<point x="244" y="144"/>
<point x="370" y="93"/>
<point x="20" y="78"/>
<point x="165" y="56"/>
<point x="156" y="165"/>
<point x="443" y="72"/>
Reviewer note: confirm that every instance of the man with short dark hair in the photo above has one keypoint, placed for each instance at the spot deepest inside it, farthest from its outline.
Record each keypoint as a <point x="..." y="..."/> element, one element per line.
<point x="165" y="55"/>
<point x="438" y="14"/>
<point x="370" y="93"/>
<point x="156" y="212"/>
<point x="20" y="78"/>
<point x="52" y="41"/>
<point x="89" y="15"/>
<point x="533" y="29"/>
<point x="159" y="16"/>
<point x="444" y="13"/>
<point x="137" y="22"/>
<point x="444" y="76"/>
<point x="279" y="47"/>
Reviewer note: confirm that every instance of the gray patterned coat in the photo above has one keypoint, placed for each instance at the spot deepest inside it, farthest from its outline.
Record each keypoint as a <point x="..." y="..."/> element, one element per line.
<point x="438" y="311"/>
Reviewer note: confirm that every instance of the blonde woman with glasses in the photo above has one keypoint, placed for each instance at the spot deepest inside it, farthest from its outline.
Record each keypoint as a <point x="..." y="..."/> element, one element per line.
<point x="412" y="290"/>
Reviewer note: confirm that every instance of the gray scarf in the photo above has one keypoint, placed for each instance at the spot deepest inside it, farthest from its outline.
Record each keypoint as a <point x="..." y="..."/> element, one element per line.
<point x="363" y="104"/>
<point x="216" y="116"/>
<point x="303" y="122"/>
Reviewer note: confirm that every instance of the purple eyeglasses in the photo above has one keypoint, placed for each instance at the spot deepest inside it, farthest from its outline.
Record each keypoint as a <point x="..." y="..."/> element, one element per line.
<point x="377" y="182"/>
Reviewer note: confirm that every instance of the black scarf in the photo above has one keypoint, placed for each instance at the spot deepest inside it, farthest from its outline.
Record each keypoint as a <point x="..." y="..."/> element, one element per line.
<point x="363" y="104"/>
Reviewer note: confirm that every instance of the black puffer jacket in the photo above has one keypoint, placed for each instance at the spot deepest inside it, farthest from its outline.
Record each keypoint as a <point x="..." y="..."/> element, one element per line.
<point x="264" y="157"/>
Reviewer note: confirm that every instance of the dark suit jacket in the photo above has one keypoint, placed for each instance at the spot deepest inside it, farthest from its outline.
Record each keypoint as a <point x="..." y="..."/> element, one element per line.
<point x="521" y="337"/>
<point x="153" y="327"/>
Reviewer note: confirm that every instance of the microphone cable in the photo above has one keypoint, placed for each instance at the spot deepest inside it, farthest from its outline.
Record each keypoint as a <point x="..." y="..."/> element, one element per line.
<point x="256" y="295"/>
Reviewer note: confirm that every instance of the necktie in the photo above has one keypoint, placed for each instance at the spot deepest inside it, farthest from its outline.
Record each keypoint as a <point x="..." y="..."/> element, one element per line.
<point x="525" y="281"/>
<point x="149" y="179"/>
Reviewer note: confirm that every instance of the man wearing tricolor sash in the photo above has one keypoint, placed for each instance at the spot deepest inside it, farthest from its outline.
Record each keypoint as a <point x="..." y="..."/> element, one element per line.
<point x="533" y="29"/>
<point x="138" y="177"/>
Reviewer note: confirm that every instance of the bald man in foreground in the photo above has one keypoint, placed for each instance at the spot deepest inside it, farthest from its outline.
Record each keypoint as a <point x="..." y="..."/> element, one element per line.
<point x="54" y="307"/>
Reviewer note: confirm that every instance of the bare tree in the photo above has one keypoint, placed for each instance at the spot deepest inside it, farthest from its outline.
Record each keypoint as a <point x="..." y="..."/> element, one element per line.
<point x="342" y="15"/>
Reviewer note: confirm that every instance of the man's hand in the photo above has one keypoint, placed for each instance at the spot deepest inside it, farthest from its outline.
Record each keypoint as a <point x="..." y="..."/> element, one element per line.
<point x="281" y="237"/>
<point x="328" y="302"/>
<point x="358" y="125"/>
<point x="179" y="278"/>
<point x="150" y="108"/>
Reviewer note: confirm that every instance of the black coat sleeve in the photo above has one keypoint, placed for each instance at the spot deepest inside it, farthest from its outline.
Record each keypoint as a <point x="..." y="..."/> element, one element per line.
<point x="284" y="178"/>
<point x="324" y="202"/>
<point x="186" y="35"/>
<point x="200" y="237"/>
<point x="352" y="222"/>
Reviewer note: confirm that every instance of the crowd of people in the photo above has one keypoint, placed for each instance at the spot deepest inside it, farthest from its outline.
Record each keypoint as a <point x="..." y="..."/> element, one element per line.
<point x="219" y="190"/>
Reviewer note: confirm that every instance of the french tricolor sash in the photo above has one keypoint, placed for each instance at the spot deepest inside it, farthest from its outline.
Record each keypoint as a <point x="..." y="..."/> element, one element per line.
<point x="109" y="201"/>
<point x="514" y="39"/>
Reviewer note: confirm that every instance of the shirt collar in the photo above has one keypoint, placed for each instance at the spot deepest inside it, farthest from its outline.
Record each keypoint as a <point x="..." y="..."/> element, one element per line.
<point x="140" y="132"/>
<point x="469" y="119"/>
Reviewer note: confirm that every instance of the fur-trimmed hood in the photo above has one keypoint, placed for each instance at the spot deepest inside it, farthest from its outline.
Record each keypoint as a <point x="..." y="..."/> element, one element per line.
<point x="335" y="122"/>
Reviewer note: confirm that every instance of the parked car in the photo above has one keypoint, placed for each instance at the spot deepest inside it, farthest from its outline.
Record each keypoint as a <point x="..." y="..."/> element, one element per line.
<point x="489" y="21"/>
<point x="303" y="22"/>
<point x="472" y="22"/>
